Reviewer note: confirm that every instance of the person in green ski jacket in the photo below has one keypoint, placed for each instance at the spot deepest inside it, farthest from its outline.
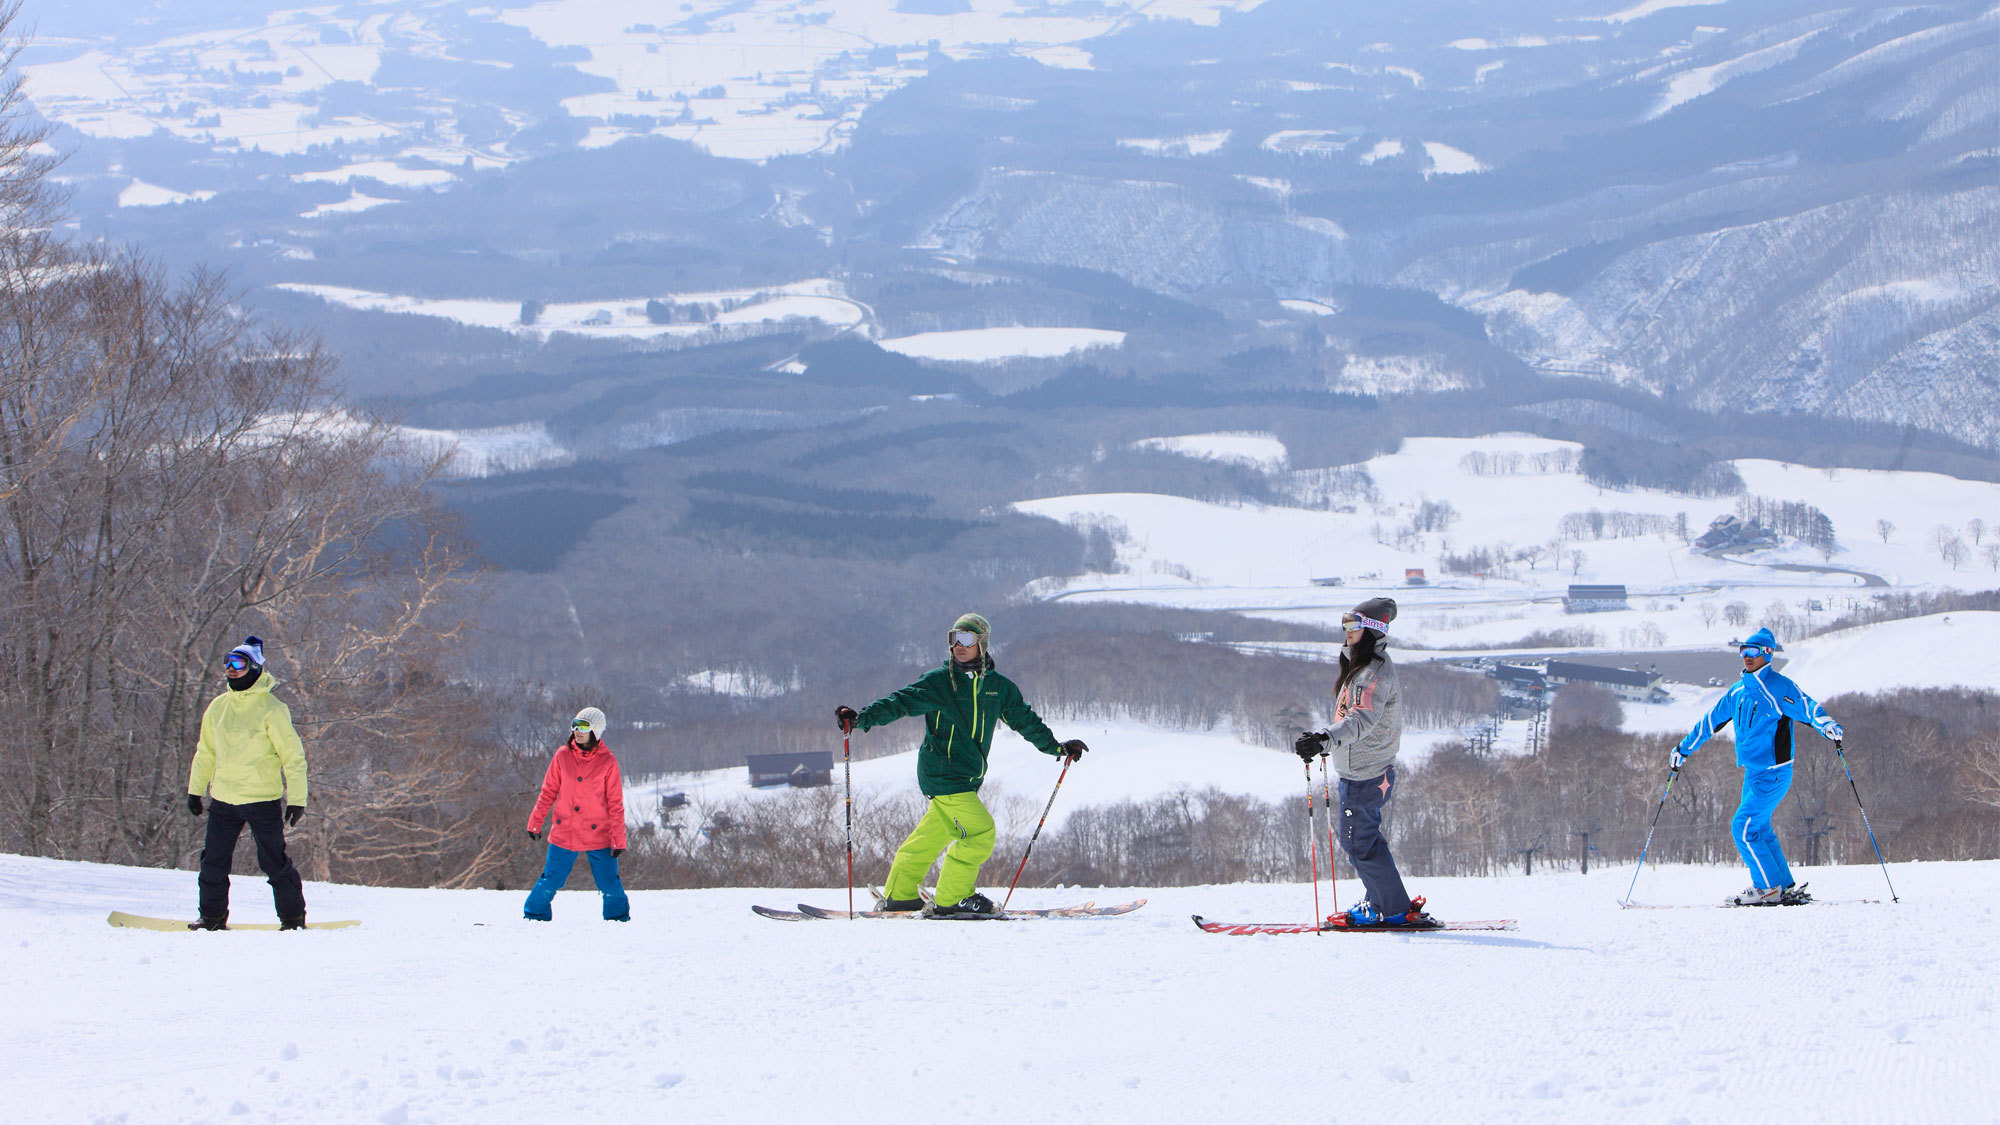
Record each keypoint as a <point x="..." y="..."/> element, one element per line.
<point x="961" y="701"/>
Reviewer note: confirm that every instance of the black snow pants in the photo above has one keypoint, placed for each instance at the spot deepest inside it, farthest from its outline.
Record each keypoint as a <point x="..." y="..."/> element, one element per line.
<point x="1361" y="838"/>
<point x="267" y="828"/>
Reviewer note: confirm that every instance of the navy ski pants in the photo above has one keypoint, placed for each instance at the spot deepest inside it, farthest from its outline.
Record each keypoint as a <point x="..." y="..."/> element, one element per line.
<point x="266" y="820"/>
<point x="1361" y="838"/>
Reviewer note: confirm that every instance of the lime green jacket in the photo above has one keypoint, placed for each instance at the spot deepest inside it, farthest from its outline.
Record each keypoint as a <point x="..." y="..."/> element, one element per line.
<point x="961" y="709"/>
<point x="248" y="750"/>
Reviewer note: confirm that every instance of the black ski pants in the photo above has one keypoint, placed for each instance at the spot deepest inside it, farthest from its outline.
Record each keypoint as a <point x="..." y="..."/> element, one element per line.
<point x="1361" y="838"/>
<point x="267" y="827"/>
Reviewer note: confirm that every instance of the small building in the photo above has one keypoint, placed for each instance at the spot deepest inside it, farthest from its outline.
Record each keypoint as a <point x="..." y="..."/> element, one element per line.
<point x="1329" y="581"/>
<point x="806" y="770"/>
<point x="1595" y="599"/>
<point x="1518" y="678"/>
<point x="1628" y="684"/>
<point x="1414" y="576"/>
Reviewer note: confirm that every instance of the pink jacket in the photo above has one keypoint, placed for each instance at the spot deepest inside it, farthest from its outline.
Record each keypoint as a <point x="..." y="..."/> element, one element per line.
<point x="588" y="797"/>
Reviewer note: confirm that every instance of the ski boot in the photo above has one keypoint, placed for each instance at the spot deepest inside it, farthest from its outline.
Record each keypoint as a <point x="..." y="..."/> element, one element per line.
<point x="899" y="905"/>
<point x="1756" y="896"/>
<point x="1794" y="895"/>
<point x="971" y="906"/>
<point x="1362" y="915"/>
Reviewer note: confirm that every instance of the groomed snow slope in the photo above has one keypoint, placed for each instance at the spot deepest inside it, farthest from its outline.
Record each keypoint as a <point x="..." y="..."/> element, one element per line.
<point x="446" y="1007"/>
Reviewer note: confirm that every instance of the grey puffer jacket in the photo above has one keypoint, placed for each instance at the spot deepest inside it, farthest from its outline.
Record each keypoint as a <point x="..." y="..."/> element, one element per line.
<point x="1368" y="722"/>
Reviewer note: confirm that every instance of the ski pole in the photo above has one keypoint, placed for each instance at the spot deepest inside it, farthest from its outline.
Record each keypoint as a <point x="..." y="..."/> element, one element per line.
<point x="847" y="768"/>
<point x="1671" y="775"/>
<point x="1312" y="844"/>
<point x="1841" y="752"/>
<point x="1038" y="834"/>
<point x="1332" y="860"/>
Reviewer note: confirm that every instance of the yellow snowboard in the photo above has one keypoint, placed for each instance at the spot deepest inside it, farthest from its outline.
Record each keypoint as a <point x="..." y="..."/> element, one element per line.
<point x="138" y="922"/>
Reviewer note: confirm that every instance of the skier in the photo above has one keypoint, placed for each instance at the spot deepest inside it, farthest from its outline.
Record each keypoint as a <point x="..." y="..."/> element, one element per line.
<point x="963" y="699"/>
<point x="1367" y="731"/>
<point x="251" y="764"/>
<point x="587" y="796"/>
<point x="1762" y="704"/>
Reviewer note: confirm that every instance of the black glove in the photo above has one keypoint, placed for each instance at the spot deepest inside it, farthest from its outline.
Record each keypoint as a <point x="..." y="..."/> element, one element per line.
<point x="616" y="852"/>
<point x="1838" y="748"/>
<point x="847" y="716"/>
<point x="1309" y="745"/>
<point x="1073" y="749"/>
<point x="194" y="804"/>
<point x="294" y="814"/>
<point x="534" y="835"/>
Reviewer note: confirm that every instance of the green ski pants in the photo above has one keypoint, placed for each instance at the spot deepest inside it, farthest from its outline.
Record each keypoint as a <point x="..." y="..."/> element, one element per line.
<point x="956" y="824"/>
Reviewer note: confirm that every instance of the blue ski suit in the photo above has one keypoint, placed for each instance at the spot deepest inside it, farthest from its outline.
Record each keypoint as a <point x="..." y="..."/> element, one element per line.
<point x="1763" y="705"/>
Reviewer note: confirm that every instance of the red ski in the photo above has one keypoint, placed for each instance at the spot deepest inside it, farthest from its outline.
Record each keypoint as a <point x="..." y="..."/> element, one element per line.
<point x="1322" y="928"/>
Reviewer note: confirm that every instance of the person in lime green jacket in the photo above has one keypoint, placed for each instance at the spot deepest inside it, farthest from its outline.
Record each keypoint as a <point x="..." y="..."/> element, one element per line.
<point x="961" y="701"/>
<point x="252" y="766"/>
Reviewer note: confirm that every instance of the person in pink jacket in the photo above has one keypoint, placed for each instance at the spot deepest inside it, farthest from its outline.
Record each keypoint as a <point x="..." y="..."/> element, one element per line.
<point x="585" y="795"/>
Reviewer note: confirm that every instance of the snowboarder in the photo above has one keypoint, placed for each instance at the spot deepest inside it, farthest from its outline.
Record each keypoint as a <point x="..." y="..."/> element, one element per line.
<point x="962" y="699"/>
<point x="1367" y="732"/>
<point x="584" y="791"/>
<point x="251" y="764"/>
<point x="1762" y="704"/>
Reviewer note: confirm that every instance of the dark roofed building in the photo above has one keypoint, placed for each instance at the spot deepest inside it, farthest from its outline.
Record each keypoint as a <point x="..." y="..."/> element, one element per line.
<point x="1628" y="684"/>
<point x="804" y="770"/>
<point x="1515" y="676"/>
<point x="1595" y="599"/>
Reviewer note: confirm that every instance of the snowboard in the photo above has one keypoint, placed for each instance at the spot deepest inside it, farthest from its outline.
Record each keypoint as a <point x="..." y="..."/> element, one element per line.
<point x="126" y="921"/>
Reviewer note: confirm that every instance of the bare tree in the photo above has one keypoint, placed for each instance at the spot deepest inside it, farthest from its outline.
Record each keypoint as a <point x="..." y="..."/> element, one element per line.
<point x="1885" y="529"/>
<point x="1707" y="612"/>
<point x="1991" y="553"/>
<point x="1737" y="613"/>
<point x="1976" y="528"/>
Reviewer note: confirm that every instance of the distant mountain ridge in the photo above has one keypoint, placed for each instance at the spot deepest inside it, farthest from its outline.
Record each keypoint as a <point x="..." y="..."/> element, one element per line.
<point x="1733" y="206"/>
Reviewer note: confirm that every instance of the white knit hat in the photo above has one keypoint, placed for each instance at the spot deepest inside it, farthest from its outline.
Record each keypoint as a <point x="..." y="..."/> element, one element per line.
<point x="592" y="716"/>
<point x="252" y="649"/>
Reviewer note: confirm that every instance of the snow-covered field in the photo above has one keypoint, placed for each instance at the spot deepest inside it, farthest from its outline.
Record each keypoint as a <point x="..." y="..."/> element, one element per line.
<point x="1262" y="559"/>
<point x="445" y="1006"/>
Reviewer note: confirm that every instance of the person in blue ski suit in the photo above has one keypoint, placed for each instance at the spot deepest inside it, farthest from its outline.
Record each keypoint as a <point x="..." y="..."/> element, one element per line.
<point x="1763" y="705"/>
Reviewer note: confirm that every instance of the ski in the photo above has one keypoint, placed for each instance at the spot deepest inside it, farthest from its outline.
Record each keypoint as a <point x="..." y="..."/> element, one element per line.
<point x="780" y="915"/>
<point x="126" y="921"/>
<point x="1734" y="906"/>
<point x="1310" y="928"/>
<point x="1085" y="910"/>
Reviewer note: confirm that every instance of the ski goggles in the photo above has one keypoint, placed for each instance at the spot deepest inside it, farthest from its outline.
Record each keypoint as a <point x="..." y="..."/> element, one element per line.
<point x="1753" y="652"/>
<point x="964" y="638"/>
<point x="236" y="662"/>
<point x="580" y="725"/>
<point x="1361" y="621"/>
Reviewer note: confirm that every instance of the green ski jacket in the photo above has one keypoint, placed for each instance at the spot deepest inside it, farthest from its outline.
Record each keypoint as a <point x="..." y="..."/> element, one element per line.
<point x="962" y="708"/>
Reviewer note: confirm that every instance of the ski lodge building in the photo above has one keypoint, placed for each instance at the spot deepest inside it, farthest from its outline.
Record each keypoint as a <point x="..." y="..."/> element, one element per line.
<point x="1628" y="684"/>
<point x="1595" y="599"/>
<point x="807" y="770"/>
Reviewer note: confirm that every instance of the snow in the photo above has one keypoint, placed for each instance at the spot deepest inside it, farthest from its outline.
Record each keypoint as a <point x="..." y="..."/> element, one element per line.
<point x="139" y="193"/>
<point x="1313" y="308"/>
<point x="989" y="345"/>
<point x="816" y="299"/>
<point x="1261" y="559"/>
<point x="445" y="1006"/>
<point x="1477" y="44"/>
<point x="382" y="171"/>
<point x="1691" y="84"/>
<point x="1943" y="650"/>
<point x="1258" y="450"/>
<point x="1382" y="151"/>
<point x="1194" y="144"/>
<point x="1448" y="161"/>
<point x="355" y="202"/>
<point x="1307" y="142"/>
<point x="1646" y="8"/>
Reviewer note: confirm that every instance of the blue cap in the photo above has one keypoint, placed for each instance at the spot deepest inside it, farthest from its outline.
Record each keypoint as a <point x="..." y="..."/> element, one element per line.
<point x="1764" y="639"/>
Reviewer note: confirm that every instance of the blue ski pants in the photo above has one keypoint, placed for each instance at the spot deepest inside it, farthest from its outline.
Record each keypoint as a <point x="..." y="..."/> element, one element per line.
<point x="1361" y="838"/>
<point x="1756" y="840"/>
<point x="555" y="872"/>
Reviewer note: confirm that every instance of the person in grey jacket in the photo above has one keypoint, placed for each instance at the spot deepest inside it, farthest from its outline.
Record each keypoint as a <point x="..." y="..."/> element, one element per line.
<point x="1366" y="733"/>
